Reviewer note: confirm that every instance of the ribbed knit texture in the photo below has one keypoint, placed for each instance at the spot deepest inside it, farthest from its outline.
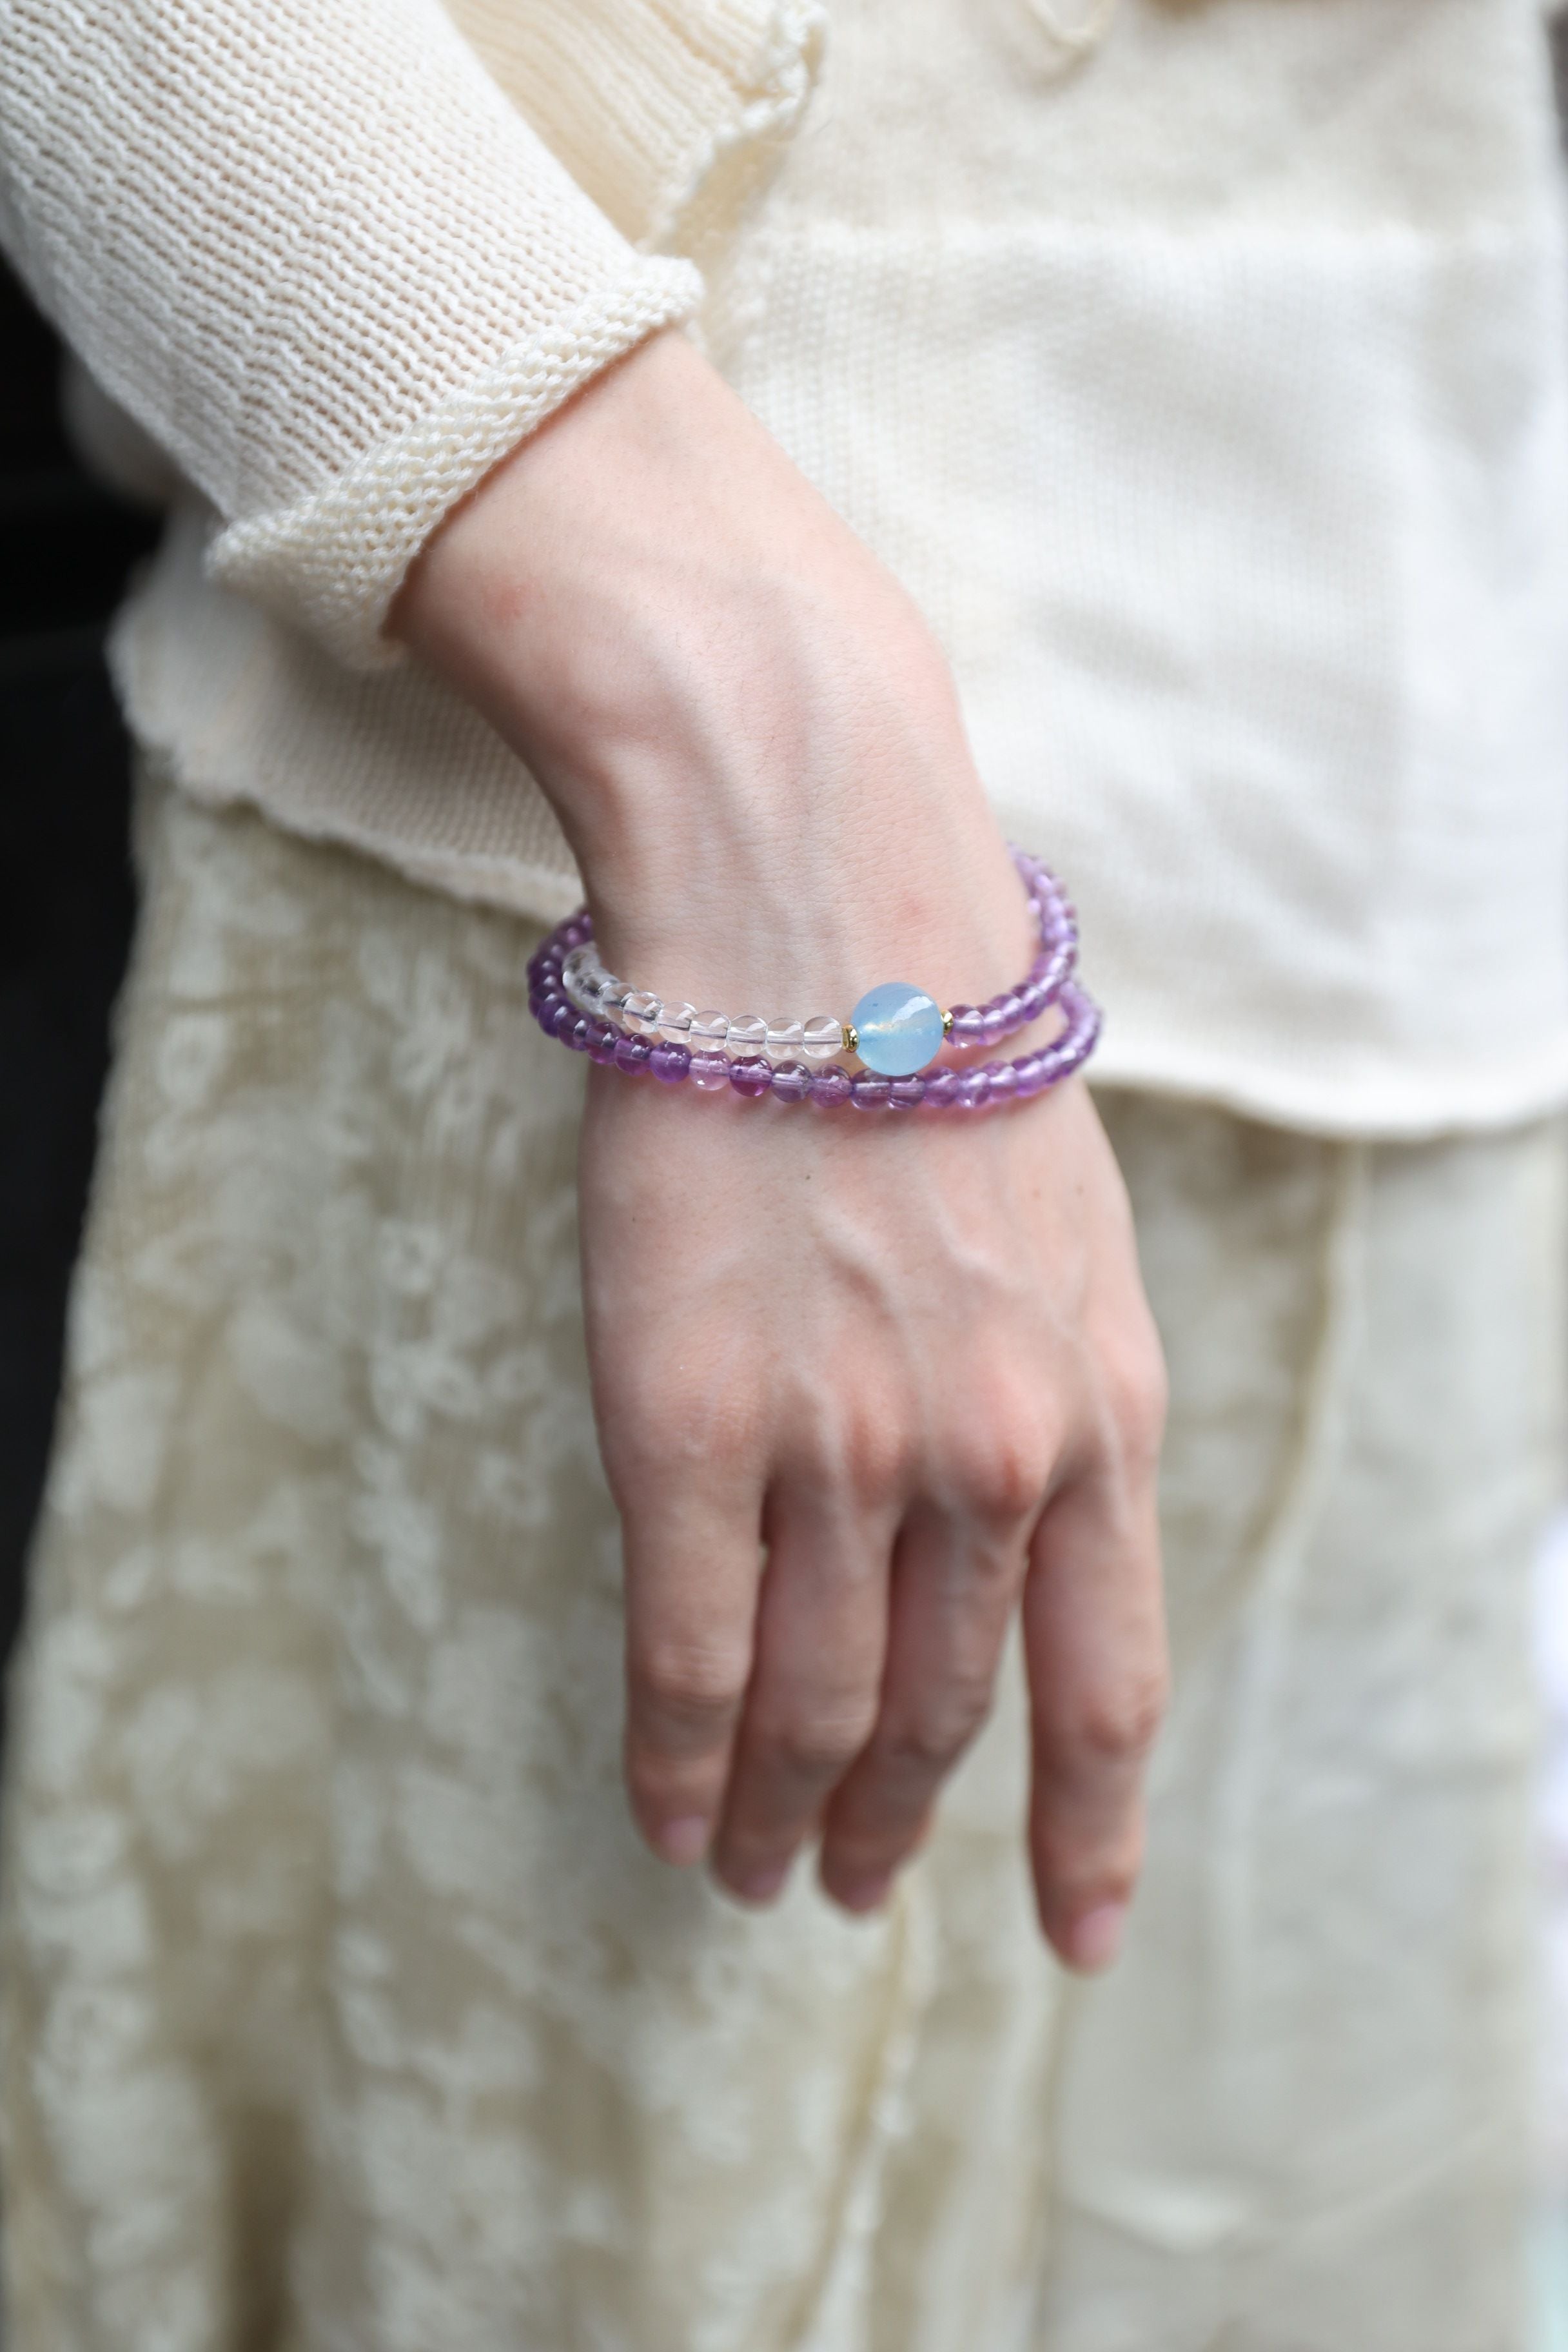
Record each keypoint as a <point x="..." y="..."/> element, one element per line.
<point x="318" y="254"/>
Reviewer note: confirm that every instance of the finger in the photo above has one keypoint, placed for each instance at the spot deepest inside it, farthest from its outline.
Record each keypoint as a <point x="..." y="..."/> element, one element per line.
<point x="1094" y="1644"/>
<point x="821" y="1638"/>
<point x="956" y="1585"/>
<point x="692" y="1570"/>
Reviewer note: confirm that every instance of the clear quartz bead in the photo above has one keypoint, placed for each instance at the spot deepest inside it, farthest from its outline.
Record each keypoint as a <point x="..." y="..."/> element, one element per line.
<point x="675" y="1022"/>
<point x="613" y="994"/>
<point x="710" y="1029"/>
<point x="821" y="1037"/>
<point x="786" y="1039"/>
<point x="641" y="1012"/>
<point x="748" y="1034"/>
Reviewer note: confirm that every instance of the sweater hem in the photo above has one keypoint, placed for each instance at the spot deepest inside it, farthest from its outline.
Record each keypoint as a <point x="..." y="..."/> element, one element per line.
<point x="1387" y="1105"/>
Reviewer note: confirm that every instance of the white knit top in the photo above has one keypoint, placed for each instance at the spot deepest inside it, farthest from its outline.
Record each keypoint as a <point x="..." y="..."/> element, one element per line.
<point x="1211" y="395"/>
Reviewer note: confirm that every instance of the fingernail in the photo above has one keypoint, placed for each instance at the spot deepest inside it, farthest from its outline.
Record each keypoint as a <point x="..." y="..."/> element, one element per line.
<point x="865" y="1894"/>
<point x="683" y="1841"/>
<point x="1094" y="1940"/>
<point x="762" y="1886"/>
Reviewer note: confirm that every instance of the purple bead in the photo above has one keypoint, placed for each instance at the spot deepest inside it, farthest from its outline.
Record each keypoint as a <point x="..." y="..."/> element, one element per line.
<point x="941" y="1090"/>
<point x="1004" y="1080"/>
<point x="709" y="1070"/>
<point x="602" y="1039"/>
<point x="670" y="1062"/>
<point x="563" y="1017"/>
<point x="830" y="1086"/>
<point x="576" y="933"/>
<point x="1011" y="1008"/>
<point x="992" y="1024"/>
<point x="577" y="1033"/>
<point x="871" y="1091"/>
<point x="632" y="1055"/>
<point x="792" y="1082"/>
<point x="966" y="1026"/>
<point x="906" y="1094"/>
<point x="752" y="1076"/>
<point x="972" y="1090"/>
<point x="1031" y="1074"/>
<point x="1031" y="1003"/>
<point x="550" y="1007"/>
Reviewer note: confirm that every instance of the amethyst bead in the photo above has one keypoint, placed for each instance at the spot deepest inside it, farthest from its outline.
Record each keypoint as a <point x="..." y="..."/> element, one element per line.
<point x="792" y="1082"/>
<point x="574" y="999"/>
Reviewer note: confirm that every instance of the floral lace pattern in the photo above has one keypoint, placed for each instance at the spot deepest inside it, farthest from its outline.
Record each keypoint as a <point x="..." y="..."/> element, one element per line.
<point x="343" y="2010"/>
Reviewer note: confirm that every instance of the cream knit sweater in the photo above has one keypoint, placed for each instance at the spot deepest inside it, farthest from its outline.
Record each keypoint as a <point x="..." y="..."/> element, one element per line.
<point x="1211" y="395"/>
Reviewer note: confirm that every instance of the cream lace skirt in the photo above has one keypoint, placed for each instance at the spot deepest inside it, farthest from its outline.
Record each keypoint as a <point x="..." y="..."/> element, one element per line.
<point x="342" y="2011"/>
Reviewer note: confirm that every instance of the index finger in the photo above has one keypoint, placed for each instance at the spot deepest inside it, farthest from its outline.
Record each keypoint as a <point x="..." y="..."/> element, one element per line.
<point x="692" y="1570"/>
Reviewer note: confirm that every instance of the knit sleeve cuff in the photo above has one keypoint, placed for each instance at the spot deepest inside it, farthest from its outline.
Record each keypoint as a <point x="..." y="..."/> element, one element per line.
<point x="332" y="561"/>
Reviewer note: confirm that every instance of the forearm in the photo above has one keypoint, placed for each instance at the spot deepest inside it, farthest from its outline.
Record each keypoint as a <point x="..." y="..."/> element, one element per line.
<point x="751" y="742"/>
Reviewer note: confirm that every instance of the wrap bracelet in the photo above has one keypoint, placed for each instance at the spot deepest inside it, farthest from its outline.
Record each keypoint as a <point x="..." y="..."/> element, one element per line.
<point x="895" y="1030"/>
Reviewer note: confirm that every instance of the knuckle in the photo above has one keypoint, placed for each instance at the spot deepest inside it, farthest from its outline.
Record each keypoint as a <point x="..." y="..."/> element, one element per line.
<point x="931" y="1739"/>
<point x="696" y="1686"/>
<point x="1078" y="1877"/>
<point x="877" y="1458"/>
<point x="1000" y="1456"/>
<point x="816" y="1745"/>
<point x="659" y="1431"/>
<point x="1136" y="1396"/>
<point x="1119" y="1722"/>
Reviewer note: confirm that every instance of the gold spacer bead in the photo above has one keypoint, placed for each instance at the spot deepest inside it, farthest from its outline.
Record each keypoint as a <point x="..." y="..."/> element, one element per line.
<point x="947" y="1024"/>
<point x="851" y="1038"/>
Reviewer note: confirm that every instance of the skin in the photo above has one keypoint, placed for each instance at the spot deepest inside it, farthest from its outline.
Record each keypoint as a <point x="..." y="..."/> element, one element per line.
<point x="865" y="1387"/>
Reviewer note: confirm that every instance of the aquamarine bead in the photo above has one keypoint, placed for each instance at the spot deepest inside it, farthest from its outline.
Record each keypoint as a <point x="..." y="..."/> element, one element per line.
<point x="898" y="1029"/>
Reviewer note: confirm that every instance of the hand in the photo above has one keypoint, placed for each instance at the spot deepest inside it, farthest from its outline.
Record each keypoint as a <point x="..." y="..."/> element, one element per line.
<point x="864" y="1386"/>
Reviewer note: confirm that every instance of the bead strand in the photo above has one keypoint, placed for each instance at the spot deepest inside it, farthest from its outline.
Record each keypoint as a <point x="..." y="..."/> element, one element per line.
<point x="578" y="1015"/>
<point x="601" y="994"/>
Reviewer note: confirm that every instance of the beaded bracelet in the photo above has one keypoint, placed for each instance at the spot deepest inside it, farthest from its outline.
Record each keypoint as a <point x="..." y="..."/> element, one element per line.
<point x="895" y="1030"/>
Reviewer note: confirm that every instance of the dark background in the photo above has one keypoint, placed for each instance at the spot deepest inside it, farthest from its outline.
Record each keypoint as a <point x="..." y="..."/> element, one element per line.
<point x="65" y="887"/>
<point x="66" y="901"/>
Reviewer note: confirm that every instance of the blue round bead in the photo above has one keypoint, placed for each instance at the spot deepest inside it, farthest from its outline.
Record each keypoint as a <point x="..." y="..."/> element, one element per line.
<point x="899" y="1027"/>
